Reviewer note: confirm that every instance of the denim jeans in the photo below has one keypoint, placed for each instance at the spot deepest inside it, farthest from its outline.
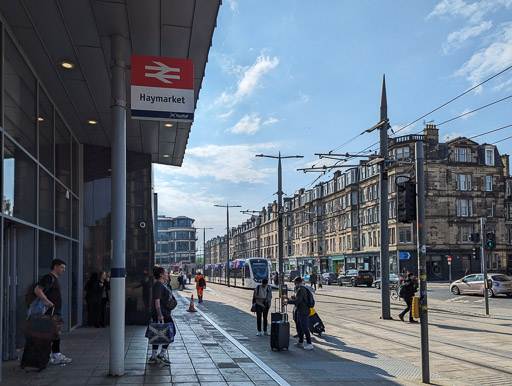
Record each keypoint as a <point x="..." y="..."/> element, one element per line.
<point x="303" y="327"/>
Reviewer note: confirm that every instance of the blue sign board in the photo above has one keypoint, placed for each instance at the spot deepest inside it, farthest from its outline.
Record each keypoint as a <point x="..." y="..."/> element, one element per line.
<point x="404" y="255"/>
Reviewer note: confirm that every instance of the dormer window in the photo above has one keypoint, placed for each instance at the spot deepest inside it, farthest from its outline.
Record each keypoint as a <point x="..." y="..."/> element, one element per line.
<point x="489" y="156"/>
<point x="462" y="154"/>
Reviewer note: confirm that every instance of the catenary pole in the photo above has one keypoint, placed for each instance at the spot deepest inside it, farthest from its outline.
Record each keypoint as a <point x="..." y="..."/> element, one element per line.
<point x="422" y="263"/>
<point x="383" y="181"/>
<point x="280" y="220"/>
<point x="118" y="200"/>
<point x="484" y="263"/>
<point x="227" y="206"/>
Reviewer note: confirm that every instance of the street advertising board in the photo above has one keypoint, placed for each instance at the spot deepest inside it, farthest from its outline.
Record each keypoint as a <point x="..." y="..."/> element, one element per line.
<point x="162" y="88"/>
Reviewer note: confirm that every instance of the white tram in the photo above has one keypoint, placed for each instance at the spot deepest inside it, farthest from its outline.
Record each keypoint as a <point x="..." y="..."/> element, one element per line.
<point x="247" y="273"/>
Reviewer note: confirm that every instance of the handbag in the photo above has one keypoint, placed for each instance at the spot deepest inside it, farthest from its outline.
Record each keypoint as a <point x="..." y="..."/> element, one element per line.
<point x="172" y="302"/>
<point x="160" y="333"/>
<point x="45" y="327"/>
<point x="253" y="308"/>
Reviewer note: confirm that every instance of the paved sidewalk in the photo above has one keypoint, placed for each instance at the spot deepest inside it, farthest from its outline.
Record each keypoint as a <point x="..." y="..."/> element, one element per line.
<point x="200" y="355"/>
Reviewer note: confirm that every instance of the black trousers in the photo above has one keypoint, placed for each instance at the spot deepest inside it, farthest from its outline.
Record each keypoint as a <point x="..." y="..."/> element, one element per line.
<point x="408" y="301"/>
<point x="262" y="312"/>
<point x="104" y="302"/>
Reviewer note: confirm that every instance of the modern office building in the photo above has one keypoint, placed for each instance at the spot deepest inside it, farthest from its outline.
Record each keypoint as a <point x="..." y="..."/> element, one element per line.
<point x="177" y="241"/>
<point x="69" y="148"/>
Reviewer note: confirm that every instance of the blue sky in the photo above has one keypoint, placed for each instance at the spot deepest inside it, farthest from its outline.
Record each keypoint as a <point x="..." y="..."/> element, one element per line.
<point x="304" y="77"/>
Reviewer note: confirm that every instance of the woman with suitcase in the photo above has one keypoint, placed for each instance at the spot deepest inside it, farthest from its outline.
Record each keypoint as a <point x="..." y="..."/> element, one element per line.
<point x="262" y="298"/>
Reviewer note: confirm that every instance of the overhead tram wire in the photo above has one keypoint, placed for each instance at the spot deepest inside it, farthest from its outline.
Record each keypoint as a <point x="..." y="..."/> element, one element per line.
<point x="501" y="140"/>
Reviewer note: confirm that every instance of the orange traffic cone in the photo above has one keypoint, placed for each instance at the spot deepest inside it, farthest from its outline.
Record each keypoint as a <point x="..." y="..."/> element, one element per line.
<point x="191" y="308"/>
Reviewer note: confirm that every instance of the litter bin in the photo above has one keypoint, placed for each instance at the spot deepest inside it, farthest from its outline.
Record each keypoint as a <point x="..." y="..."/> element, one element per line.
<point x="173" y="281"/>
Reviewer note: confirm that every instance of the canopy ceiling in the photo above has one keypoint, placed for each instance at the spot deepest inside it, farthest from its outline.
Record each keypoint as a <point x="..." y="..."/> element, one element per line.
<point x="79" y="31"/>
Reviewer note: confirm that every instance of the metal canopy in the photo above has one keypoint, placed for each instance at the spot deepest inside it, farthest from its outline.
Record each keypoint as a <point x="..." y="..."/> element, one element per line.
<point x="79" y="31"/>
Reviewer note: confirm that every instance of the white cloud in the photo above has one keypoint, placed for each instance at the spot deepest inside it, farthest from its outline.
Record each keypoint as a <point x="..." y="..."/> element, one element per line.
<point x="249" y="124"/>
<point x="233" y="5"/>
<point x="490" y="60"/>
<point x="250" y="79"/>
<point x="303" y="97"/>
<point x="270" y="121"/>
<point x="467" y="116"/>
<point x="234" y="163"/>
<point x="457" y="39"/>
<point x="226" y="114"/>
<point x="474" y="11"/>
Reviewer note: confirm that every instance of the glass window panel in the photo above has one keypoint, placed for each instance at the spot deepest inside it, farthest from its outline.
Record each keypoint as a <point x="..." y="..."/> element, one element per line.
<point x="46" y="193"/>
<point x="74" y="217"/>
<point x="19" y="98"/>
<point x="63" y="210"/>
<point x="45" y="121"/>
<point x="75" y="159"/>
<point x="45" y="253"/>
<point x="19" y="190"/>
<point x="62" y="152"/>
<point x="74" y="284"/>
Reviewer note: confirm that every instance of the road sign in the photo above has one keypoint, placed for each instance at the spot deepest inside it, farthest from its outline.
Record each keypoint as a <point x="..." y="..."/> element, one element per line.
<point x="404" y="256"/>
<point x="162" y="88"/>
<point x="449" y="259"/>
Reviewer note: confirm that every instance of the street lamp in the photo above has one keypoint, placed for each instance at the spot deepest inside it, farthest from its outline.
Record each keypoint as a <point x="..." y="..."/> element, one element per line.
<point x="227" y="206"/>
<point x="280" y="218"/>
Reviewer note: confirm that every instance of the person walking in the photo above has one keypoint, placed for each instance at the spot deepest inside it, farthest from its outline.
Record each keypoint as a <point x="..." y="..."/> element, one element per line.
<point x="409" y="288"/>
<point x="162" y="297"/>
<point x="104" y="284"/>
<point x="184" y="280"/>
<point x="263" y="298"/>
<point x="300" y="300"/>
<point x="313" y="278"/>
<point x="200" y="286"/>
<point x="48" y="290"/>
<point x="180" y="281"/>
<point x="320" y="281"/>
<point x="93" y="299"/>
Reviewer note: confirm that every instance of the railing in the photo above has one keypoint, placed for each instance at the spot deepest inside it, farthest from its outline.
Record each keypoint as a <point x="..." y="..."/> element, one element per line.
<point x="406" y="138"/>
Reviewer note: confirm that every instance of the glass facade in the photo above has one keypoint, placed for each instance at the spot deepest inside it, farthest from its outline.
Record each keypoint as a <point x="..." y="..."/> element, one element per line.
<point x="176" y="241"/>
<point x="139" y="226"/>
<point x="39" y="201"/>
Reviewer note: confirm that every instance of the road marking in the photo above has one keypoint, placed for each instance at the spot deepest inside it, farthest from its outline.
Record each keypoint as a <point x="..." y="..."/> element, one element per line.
<point x="242" y="348"/>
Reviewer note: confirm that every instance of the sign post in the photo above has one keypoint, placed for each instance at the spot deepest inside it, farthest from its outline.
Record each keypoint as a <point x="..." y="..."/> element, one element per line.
<point x="162" y="88"/>
<point x="449" y="258"/>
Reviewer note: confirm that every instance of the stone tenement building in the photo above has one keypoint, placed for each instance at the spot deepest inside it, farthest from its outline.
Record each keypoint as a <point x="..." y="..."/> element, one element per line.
<point x="336" y="223"/>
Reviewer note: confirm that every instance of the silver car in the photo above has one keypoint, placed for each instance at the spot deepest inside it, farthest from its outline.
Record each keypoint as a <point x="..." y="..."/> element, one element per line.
<point x="474" y="284"/>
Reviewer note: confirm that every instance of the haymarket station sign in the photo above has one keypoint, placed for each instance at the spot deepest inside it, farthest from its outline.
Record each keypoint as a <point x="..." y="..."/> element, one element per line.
<point x="162" y="88"/>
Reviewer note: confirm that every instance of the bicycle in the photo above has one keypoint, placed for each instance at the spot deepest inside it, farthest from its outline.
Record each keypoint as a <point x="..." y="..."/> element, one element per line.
<point x="394" y="292"/>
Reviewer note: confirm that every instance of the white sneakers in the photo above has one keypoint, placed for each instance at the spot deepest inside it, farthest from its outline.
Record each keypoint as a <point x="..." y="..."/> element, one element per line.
<point x="299" y="344"/>
<point x="266" y="333"/>
<point x="58" y="357"/>
<point x="259" y="333"/>
<point x="308" y="346"/>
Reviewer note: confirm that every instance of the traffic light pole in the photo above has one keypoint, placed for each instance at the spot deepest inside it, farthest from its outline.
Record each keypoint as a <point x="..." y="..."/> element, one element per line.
<point x="422" y="264"/>
<point x="484" y="263"/>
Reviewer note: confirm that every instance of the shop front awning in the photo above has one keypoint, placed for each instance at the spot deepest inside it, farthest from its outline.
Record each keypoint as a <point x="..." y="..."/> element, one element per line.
<point x="79" y="32"/>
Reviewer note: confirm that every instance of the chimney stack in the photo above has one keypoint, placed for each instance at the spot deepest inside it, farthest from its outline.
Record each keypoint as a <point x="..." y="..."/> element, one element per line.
<point x="431" y="132"/>
<point x="505" y="158"/>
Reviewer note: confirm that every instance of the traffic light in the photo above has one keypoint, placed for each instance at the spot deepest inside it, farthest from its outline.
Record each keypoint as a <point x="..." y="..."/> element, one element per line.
<point x="475" y="237"/>
<point x="476" y="253"/>
<point x="406" y="205"/>
<point x="490" y="240"/>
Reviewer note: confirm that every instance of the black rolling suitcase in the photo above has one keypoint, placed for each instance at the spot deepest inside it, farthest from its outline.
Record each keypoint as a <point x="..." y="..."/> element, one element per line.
<point x="36" y="353"/>
<point x="279" y="330"/>
<point x="316" y="326"/>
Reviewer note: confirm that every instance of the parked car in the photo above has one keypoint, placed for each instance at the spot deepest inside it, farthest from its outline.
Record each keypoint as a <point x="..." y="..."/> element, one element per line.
<point x="356" y="277"/>
<point x="329" y="277"/>
<point x="394" y="281"/>
<point x="474" y="284"/>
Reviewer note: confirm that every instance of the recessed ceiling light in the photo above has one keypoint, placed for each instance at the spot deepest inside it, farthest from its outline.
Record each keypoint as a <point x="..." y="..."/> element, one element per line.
<point x="40" y="119"/>
<point x="168" y="125"/>
<point x="92" y="122"/>
<point x="67" y="64"/>
<point x="166" y="156"/>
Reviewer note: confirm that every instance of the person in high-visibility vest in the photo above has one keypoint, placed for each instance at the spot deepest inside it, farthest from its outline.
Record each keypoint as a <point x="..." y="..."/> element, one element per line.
<point x="200" y="286"/>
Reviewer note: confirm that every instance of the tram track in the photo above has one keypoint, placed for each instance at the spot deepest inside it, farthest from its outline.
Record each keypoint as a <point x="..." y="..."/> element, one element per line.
<point x="360" y="326"/>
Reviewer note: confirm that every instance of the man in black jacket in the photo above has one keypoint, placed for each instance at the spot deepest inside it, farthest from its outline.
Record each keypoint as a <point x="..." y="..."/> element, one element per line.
<point x="410" y="286"/>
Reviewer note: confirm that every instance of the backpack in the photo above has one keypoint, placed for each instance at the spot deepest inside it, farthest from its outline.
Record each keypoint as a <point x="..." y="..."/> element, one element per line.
<point x="310" y="298"/>
<point x="30" y="295"/>
<point x="401" y="291"/>
<point x="201" y="282"/>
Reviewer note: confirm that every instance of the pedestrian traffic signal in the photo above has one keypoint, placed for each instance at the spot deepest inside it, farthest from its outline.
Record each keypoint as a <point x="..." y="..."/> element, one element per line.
<point x="406" y="205"/>
<point x="490" y="240"/>
<point x="476" y="253"/>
